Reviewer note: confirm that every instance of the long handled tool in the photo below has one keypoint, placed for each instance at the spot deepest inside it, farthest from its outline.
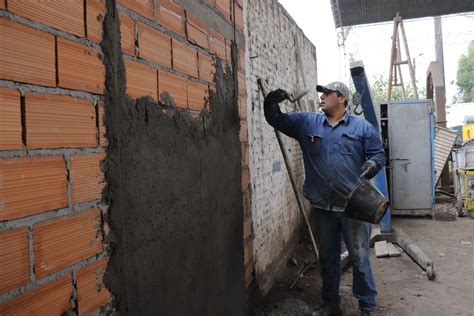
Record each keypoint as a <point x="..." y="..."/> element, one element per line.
<point x="290" y="173"/>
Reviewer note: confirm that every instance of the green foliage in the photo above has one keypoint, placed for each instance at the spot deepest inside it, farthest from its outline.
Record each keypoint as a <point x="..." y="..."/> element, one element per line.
<point x="379" y="88"/>
<point x="465" y="77"/>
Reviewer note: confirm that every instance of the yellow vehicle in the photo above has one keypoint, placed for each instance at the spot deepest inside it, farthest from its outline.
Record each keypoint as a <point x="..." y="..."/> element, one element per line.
<point x="467" y="131"/>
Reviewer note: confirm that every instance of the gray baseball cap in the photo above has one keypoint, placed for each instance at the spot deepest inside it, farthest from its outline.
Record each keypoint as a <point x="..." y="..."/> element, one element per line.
<point x="334" y="86"/>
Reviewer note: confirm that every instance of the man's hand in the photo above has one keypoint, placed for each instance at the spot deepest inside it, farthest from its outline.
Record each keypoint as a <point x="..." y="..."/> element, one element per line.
<point x="369" y="169"/>
<point x="276" y="96"/>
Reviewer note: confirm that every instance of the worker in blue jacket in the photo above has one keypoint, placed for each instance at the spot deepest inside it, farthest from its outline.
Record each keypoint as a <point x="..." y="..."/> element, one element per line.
<point x="337" y="148"/>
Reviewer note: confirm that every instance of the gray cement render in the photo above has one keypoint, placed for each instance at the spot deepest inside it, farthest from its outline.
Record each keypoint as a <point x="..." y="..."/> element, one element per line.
<point x="174" y="189"/>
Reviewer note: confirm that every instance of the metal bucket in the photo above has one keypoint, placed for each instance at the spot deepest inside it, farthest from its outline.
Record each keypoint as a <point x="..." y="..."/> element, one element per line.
<point x="366" y="203"/>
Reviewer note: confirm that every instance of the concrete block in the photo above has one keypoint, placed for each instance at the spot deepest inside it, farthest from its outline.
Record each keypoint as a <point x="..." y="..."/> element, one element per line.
<point x="381" y="249"/>
<point x="445" y="214"/>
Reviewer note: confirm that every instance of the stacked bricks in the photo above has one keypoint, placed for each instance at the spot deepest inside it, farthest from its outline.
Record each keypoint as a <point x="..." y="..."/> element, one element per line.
<point x="52" y="137"/>
<point x="52" y="141"/>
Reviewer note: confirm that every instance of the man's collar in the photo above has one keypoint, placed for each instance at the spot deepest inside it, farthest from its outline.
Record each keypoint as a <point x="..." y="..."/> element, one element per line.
<point x="344" y="119"/>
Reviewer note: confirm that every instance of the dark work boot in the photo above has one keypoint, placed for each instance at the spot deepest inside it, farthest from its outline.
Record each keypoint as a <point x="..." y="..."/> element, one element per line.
<point x="330" y="309"/>
<point x="367" y="313"/>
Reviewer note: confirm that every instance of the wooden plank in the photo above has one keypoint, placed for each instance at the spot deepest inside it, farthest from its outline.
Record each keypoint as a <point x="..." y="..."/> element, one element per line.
<point x="393" y="251"/>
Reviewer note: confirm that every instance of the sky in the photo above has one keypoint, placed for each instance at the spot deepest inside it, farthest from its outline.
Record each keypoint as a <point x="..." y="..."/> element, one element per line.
<point x="372" y="45"/>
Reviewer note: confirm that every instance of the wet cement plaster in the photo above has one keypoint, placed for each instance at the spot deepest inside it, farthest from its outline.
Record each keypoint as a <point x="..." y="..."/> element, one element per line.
<point x="174" y="189"/>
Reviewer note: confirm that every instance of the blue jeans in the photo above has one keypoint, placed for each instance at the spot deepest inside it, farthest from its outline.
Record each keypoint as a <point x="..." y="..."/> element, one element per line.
<point x="330" y="226"/>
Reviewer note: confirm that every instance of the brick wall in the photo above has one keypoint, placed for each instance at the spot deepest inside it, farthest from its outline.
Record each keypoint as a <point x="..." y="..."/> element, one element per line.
<point x="53" y="139"/>
<point x="280" y="54"/>
<point x="51" y="144"/>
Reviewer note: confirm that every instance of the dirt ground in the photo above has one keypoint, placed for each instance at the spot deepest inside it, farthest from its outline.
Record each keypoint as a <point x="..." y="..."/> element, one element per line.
<point x="403" y="288"/>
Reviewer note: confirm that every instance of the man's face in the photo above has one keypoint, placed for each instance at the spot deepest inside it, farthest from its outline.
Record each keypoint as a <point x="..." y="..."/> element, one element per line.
<point x="331" y="102"/>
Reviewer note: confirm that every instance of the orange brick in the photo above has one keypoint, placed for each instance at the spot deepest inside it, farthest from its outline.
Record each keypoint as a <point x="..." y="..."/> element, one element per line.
<point x="61" y="242"/>
<point x="54" y="298"/>
<point x="55" y="121"/>
<point x="31" y="185"/>
<point x="197" y="31"/>
<point x="217" y="44"/>
<point x="141" y="80"/>
<point x="87" y="177"/>
<point x="95" y="17"/>
<point x="175" y="86"/>
<point x="239" y="17"/>
<point x="154" y="45"/>
<point x="247" y="227"/>
<point x="102" y="130"/>
<point x="245" y="155"/>
<point x="31" y="59"/>
<point x="142" y="7"/>
<point x="91" y="291"/>
<point x="171" y="16"/>
<point x="243" y="107"/>
<point x="14" y="260"/>
<point x="245" y="179"/>
<point x="185" y="58"/>
<point x="242" y="83"/>
<point x="80" y="67"/>
<point x="10" y="119"/>
<point x="243" y="131"/>
<point x="127" y="33"/>
<point x="206" y="68"/>
<point x="249" y="275"/>
<point x="224" y="7"/>
<point x="65" y="15"/>
<point x="197" y="95"/>
<point x="247" y="199"/>
<point x="248" y="252"/>
<point x="241" y="60"/>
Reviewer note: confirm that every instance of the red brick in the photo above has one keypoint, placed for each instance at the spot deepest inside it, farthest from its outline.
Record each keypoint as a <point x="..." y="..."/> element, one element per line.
<point x="14" y="260"/>
<point x="80" y="67"/>
<point x="91" y="291"/>
<point x="248" y="252"/>
<point x="2" y="4"/>
<point x="142" y="7"/>
<point x="197" y="95"/>
<point x="245" y="155"/>
<point x="242" y="83"/>
<point x="228" y="51"/>
<point x="65" y="15"/>
<point x="243" y="135"/>
<point x="53" y="298"/>
<point x="249" y="275"/>
<point x="55" y="121"/>
<point x="31" y="185"/>
<point x="87" y="177"/>
<point x="224" y="7"/>
<point x="154" y="45"/>
<point x="61" y="242"/>
<point x="245" y="179"/>
<point x="243" y="107"/>
<point x="102" y="130"/>
<point x="141" y="80"/>
<point x="247" y="227"/>
<point x="217" y="44"/>
<point x="95" y="18"/>
<point x="241" y="61"/>
<point x="247" y="198"/>
<point x="239" y="17"/>
<point x="197" y="31"/>
<point x="10" y="119"/>
<point x="31" y="59"/>
<point x="240" y="3"/>
<point x="175" y="86"/>
<point x="171" y="16"/>
<point x="127" y="33"/>
<point x="185" y="58"/>
<point x="206" y="68"/>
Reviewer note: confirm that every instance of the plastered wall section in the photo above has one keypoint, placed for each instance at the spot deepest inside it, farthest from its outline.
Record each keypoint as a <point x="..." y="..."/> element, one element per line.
<point x="278" y="52"/>
<point x="52" y="137"/>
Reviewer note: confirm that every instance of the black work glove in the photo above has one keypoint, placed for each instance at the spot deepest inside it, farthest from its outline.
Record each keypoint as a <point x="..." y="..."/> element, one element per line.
<point x="276" y="96"/>
<point x="369" y="170"/>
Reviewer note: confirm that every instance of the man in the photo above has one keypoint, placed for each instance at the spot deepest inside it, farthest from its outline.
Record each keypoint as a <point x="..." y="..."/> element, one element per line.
<point x="338" y="149"/>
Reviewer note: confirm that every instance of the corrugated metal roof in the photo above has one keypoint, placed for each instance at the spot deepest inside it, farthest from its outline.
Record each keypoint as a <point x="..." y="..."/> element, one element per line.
<point x="355" y="12"/>
<point x="443" y="142"/>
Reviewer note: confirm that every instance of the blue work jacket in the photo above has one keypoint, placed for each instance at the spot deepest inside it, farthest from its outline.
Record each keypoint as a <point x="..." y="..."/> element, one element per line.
<point x="333" y="155"/>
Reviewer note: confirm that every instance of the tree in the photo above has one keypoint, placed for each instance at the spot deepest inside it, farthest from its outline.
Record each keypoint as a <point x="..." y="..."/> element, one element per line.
<point x="379" y="90"/>
<point x="465" y="77"/>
